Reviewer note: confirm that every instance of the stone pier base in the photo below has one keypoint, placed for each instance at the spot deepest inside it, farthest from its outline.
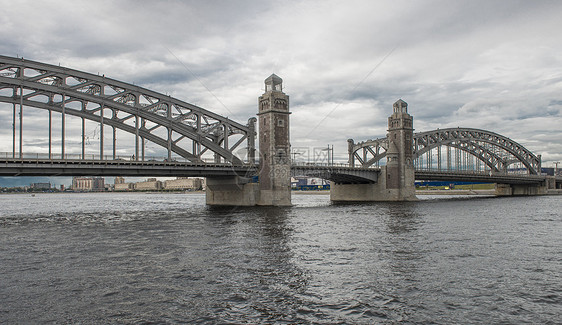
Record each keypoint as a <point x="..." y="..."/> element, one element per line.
<point x="231" y="191"/>
<point x="367" y="193"/>
<point x="376" y="192"/>
<point x="238" y="191"/>
<point x="523" y="190"/>
<point x="277" y="198"/>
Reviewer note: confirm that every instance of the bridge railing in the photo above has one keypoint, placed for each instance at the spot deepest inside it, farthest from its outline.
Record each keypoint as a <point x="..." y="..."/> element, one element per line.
<point x="473" y="175"/>
<point x="453" y="171"/>
<point x="94" y="157"/>
<point x="514" y="172"/>
<point x="305" y="164"/>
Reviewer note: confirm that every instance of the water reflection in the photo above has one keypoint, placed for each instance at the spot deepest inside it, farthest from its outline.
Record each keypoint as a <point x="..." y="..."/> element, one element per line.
<point x="406" y="251"/>
<point x="402" y="217"/>
<point x="257" y="276"/>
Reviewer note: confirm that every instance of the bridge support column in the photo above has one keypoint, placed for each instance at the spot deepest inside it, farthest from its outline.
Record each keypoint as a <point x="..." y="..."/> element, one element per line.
<point x="231" y="191"/>
<point x="520" y="190"/>
<point x="376" y="192"/>
<point x="550" y="182"/>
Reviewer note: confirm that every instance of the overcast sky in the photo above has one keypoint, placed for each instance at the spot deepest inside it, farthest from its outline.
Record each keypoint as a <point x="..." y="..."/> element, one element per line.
<point x="494" y="65"/>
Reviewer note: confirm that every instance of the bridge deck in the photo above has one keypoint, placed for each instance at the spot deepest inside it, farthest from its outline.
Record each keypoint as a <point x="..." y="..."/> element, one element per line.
<point x="337" y="173"/>
<point x="432" y="175"/>
<point x="78" y="167"/>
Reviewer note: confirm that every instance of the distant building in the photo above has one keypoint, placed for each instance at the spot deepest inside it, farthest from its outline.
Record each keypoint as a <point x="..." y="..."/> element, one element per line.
<point x="99" y="184"/>
<point x="120" y="185"/>
<point x="151" y="184"/>
<point x="124" y="186"/>
<point x="309" y="183"/>
<point x="81" y="183"/>
<point x="41" y="186"/>
<point x="306" y="180"/>
<point x="184" y="183"/>
<point x="87" y="184"/>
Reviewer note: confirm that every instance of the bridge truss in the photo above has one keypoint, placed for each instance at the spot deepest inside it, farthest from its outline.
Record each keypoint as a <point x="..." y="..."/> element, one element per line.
<point x="455" y="149"/>
<point x="181" y="129"/>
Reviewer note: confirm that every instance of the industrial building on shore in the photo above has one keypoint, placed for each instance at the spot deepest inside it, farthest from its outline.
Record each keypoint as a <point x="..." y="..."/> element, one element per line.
<point x="184" y="183"/>
<point x="96" y="184"/>
<point x="153" y="184"/>
<point x="88" y="184"/>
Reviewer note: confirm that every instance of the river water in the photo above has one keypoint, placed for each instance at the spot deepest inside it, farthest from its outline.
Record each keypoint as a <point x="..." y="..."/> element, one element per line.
<point x="139" y="258"/>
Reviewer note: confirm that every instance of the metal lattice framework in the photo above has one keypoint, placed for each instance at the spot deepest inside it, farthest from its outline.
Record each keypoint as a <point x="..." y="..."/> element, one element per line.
<point x="185" y="129"/>
<point x="490" y="149"/>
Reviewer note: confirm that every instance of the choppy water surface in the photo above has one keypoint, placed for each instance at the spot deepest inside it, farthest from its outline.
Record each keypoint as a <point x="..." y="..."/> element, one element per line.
<point x="167" y="258"/>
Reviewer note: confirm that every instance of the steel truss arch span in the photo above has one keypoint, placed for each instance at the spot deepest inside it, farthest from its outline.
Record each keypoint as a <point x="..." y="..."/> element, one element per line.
<point x="59" y="89"/>
<point x="466" y="139"/>
<point x="376" y="149"/>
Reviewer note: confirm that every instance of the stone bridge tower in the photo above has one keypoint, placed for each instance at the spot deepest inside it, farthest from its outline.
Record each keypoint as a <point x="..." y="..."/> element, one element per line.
<point x="396" y="179"/>
<point x="274" y="181"/>
<point x="274" y="145"/>
<point x="399" y="156"/>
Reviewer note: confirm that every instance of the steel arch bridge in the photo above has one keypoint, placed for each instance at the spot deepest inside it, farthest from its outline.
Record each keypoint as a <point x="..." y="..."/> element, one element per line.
<point x="466" y="149"/>
<point x="181" y="128"/>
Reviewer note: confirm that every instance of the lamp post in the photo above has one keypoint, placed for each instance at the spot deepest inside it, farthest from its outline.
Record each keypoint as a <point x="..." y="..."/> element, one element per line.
<point x="295" y="153"/>
<point x="330" y="160"/>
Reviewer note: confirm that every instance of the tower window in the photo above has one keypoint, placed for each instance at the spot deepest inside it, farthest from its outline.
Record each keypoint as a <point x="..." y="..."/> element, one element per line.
<point x="281" y="123"/>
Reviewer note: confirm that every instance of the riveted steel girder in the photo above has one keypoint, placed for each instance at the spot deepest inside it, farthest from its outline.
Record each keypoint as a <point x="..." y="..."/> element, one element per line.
<point x="86" y="95"/>
<point x="375" y="149"/>
<point x="338" y="174"/>
<point x="466" y="139"/>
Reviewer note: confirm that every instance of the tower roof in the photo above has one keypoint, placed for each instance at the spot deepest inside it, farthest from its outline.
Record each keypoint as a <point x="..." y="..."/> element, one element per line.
<point x="400" y="103"/>
<point x="400" y="106"/>
<point x="273" y="79"/>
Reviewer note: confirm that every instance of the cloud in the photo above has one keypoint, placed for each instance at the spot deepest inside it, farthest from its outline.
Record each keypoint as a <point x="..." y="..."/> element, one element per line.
<point x="484" y="64"/>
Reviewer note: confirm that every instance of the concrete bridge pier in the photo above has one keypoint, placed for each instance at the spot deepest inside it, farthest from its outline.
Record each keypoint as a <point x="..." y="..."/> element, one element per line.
<point x="380" y="191"/>
<point x="520" y="189"/>
<point x="397" y="177"/>
<point x="231" y="191"/>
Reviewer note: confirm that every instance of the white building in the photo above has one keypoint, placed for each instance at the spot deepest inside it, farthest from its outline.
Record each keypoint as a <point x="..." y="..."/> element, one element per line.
<point x="184" y="183"/>
<point x="151" y="184"/>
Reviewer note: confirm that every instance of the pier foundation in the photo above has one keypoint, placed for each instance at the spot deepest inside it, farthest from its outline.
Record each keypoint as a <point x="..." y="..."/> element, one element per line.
<point x="374" y="192"/>
<point x="520" y="190"/>
<point x="231" y="191"/>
